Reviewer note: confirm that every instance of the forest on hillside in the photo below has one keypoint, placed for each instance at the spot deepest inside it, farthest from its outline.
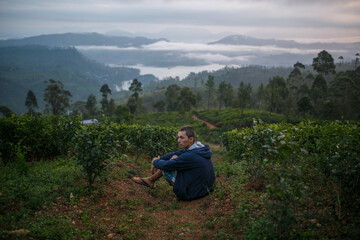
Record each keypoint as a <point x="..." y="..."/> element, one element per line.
<point x="24" y="68"/>
<point x="324" y="90"/>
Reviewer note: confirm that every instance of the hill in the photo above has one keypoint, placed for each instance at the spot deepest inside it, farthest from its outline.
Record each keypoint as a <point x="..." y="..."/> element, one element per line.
<point x="275" y="52"/>
<point x="24" y="68"/>
<point x="251" y="41"/>
<point x="79" y="39"/>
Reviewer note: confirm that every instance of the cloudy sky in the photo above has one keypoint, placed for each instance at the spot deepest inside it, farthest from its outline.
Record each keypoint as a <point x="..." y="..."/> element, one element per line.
<point x="305" y="20"/>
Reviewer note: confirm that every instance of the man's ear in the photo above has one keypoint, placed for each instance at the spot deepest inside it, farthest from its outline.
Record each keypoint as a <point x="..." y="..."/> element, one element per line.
<point x="192" y="139"/>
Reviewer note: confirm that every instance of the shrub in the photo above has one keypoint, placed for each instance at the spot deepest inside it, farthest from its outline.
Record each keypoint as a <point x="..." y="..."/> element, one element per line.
<point x="151" y="140"/>
<point x="93" y="146"/>
<point x="262" y="147"/>
<point x="41" y="137"/>
<point x="276" y="153"/>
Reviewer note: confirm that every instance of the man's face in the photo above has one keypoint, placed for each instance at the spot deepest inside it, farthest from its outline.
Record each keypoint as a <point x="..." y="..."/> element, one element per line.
<point x="184" y="141"/>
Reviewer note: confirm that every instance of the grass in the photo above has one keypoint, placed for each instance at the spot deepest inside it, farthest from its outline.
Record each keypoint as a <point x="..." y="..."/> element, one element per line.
<point x="27" y="188"/>
<point x="38" y="184"/>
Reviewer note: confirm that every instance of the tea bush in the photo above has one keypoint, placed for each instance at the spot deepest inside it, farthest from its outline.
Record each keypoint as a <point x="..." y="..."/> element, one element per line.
<point x="333" y="148"/>
<point x="93" y="146"/>
<point x="282" y="154"/>
<point x="43" y="137"/>
<point x="151" y="140"/>
<point x="262" y="147"/>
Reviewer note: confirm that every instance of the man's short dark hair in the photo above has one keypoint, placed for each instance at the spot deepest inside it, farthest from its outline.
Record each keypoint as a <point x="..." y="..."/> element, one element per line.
<point x="190" y="132"/>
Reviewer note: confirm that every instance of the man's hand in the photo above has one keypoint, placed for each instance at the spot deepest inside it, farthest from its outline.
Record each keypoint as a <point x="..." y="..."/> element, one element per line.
<point x="153" y="168"/>
<point x="173" y="156"/>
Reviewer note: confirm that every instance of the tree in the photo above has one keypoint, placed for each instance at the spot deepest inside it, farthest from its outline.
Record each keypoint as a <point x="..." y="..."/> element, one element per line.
<point x="324" y="63"/>
<point x="56" y="97"/>
<point x="185" y="100"/>
<point x="135" y="102"/>
<point x="222" y="93"/>
<point x="341" y="58"/>
<point x="304" y="105"/>
<point x="309" y="79"/>
<point x="260" y="96"/>
<point x="276" y="94"/>
<point x="91" y="106"/>
<point x="295" y="77"/>
<point x="111" y="108"/>
<point x="225" y="94"/>
<point x="105" y="90"/>
<point x="136" y="88"/>
<point x="132" y="104"/>
<point x="122" y="114"/>
<point x="210" y="89"/>
<point x="244" y="95"/>
<point x="171" y="94"/>
<point x="318" y="89"/>
<point x="303" y="91"/>
<point x="195" y="82"/>
<point x="6" y="112"/>
<point x="229" y="98"/>
<point x="198" y="99"/>
<point x="345" y="95"/>
<point x="299" y="65"/>
<point x="318" y="93"/>
<point x="295" y="73"/>
<point x="160" y="106"/>
<point x="79" y="108"/>
<point x="31" y="103"/>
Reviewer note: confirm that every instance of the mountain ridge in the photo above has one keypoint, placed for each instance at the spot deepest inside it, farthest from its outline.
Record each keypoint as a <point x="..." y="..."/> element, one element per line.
<point x="74" y="39"/>
<point x="246" y="40"/>
<point x="133" y="51"/>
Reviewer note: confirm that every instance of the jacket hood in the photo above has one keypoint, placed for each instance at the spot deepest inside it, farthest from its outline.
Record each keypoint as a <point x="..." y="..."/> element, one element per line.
<point x="202" y="150"/>
<point x="197" y="144"/>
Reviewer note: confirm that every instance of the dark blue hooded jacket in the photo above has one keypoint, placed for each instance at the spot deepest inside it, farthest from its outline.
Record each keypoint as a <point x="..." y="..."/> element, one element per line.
<point x="195" y="172"/>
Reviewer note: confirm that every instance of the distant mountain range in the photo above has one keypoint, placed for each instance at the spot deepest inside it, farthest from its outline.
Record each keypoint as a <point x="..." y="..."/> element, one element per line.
<point x="273" y="52"/>
<point x="250" y="41"/>
<point x="180" y="34"/>
<point x="79" y="39"/>
<point x="160" y="52"/>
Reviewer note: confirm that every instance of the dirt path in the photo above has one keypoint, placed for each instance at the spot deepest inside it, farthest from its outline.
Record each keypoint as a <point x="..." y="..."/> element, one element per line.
<point x="211" y="126"/>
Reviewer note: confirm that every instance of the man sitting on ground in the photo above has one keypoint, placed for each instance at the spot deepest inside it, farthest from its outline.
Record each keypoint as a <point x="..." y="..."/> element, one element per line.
<point x="189" y="170"/>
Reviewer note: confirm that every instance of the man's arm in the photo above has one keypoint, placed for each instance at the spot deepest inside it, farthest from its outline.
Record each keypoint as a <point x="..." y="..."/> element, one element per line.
<point x="182" y="162"/>
<point x="153" y="168"/>
<point x="169" y="155"/>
